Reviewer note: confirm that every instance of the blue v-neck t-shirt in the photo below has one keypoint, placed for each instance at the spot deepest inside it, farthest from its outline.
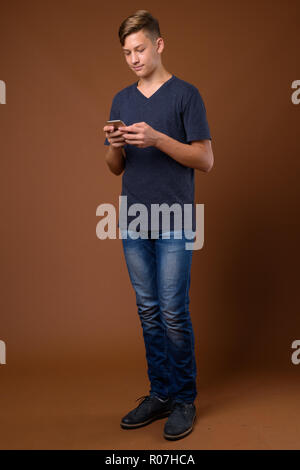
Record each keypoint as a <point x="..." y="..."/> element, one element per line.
<point x="151" y="176"/>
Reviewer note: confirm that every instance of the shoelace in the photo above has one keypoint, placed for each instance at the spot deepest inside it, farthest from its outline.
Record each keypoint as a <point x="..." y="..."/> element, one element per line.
<point x="143" y="398"/>
<point x="177" y="405"/>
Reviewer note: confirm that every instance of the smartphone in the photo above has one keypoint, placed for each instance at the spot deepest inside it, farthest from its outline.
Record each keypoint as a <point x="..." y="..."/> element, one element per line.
<point x="116" y="123"/>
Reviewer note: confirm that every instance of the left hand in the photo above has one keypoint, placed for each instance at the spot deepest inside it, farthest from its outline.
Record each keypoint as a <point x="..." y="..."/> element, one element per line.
<point x="143" y="134"/>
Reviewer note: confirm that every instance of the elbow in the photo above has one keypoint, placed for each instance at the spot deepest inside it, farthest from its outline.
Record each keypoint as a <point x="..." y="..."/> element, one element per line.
<point x="206" y="166"/>
<point x="205" y="157"/>
<point x="210" y="162"/>
<point x="118" y="172"/>
<point x="114" y="170"/>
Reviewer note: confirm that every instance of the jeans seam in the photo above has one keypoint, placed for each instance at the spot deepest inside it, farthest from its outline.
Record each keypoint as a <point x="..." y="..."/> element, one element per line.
<point x="187" y="310"/>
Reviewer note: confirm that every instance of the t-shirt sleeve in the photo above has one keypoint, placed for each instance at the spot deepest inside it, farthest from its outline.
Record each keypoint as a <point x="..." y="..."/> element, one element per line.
<point x="194" y="117"/>
<point x="114" y="114"/>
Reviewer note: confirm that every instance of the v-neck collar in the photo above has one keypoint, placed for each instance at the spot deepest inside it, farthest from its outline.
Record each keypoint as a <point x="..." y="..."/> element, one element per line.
<point x="138" y="92"/>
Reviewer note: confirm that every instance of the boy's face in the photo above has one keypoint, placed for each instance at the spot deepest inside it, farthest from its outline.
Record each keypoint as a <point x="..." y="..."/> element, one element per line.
<point x="141" y="55"/>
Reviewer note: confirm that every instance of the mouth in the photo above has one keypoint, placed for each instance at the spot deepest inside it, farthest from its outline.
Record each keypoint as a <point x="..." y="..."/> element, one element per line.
<point x="138" y="68"/>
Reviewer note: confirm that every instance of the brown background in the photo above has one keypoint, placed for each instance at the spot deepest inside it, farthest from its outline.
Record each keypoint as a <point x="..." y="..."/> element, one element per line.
<point x="75" y="352"/>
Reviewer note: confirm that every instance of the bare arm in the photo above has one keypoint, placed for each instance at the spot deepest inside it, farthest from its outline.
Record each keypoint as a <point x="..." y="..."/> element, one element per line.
<point x="115" y="159"/>
<point x="115" y="155"/>
<point x="197" y="155"/>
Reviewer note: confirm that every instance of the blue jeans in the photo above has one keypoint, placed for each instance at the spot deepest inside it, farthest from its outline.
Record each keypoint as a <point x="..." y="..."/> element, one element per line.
<point x="159" y="271"/>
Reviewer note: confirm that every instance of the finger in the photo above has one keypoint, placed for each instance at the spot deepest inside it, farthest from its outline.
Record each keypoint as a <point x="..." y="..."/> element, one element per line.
<point x="139" y="124"/>
<point x="134" y="142"/>
<point x="127" y="128"/>
<point x="116" y="134"/>
<point x="132" y="136"/>
<point x="117" y="139"/>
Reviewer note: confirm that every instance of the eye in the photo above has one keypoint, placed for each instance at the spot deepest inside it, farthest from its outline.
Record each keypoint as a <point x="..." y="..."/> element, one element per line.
<point x="128" y="53"/>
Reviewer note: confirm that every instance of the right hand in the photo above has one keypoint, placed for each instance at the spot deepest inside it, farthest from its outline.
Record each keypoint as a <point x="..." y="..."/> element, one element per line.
<point x="115" y="138"/>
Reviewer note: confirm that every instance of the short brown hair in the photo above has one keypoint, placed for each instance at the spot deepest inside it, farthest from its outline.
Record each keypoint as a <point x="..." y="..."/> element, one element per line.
<point x="141" y="19"/>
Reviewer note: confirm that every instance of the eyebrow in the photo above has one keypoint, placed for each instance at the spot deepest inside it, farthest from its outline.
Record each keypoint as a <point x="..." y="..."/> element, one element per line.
<point x="134" y="47"/>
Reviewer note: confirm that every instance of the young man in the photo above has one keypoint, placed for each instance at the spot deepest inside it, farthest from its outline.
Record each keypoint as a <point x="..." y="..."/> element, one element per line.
<point x="165" y="138"/>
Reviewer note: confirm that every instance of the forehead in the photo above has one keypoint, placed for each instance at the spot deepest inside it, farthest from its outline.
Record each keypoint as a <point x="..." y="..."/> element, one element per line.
<point x="134" y="39"/>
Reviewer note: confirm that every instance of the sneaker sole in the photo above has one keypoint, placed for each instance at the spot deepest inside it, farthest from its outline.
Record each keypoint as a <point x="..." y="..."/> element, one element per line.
<point x="174" y="437"/>
<point x="144" y="423"/>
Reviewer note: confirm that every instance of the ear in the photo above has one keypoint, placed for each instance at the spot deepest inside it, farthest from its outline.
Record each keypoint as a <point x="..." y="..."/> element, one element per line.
<point x="160" y="45"/>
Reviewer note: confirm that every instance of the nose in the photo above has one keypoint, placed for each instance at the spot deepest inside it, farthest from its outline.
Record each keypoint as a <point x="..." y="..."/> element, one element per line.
<point x="134" y="59"/>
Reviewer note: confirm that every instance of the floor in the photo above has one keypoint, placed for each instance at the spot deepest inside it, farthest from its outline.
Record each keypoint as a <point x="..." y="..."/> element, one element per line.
<point x="58" y="407"/>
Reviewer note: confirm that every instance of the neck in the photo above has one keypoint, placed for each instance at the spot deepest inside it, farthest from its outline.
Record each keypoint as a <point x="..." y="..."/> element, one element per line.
<point x="159" y="75"/>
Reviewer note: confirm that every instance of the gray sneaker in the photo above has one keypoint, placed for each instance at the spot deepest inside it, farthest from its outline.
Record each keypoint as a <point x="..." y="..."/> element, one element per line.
<point x="149" y="409"/>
